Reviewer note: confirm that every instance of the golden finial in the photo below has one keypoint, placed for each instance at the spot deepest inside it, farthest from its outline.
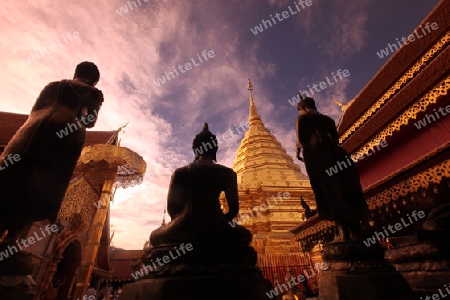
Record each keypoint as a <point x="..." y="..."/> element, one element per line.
<point x="339" y="103"/>
<point x="250" y="86"/>
<point x="253" y="115"/>
<point x="122" y="127"/>
<point x="120" y="130"/>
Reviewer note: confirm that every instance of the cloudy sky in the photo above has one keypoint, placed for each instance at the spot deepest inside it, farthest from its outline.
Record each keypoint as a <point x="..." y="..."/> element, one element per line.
<point x="43" y="40"/>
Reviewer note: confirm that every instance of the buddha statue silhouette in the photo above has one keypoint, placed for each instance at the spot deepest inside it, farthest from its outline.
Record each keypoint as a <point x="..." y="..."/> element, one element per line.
<point x="218" y="262"/>
<point x="193" y="200"/>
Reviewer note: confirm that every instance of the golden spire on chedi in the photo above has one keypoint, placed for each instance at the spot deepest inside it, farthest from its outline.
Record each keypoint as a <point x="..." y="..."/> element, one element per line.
<point x="263" y="170"/>
<point x="253" y="115"/>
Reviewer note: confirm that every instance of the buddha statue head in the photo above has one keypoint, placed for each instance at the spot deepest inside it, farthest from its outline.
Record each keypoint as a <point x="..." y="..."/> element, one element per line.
<point x="205" y="144"/>
<point x="306" y="103"/>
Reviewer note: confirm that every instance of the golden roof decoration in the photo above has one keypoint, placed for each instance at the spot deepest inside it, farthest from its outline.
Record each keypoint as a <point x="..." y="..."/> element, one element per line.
<point x="130" y="165"/>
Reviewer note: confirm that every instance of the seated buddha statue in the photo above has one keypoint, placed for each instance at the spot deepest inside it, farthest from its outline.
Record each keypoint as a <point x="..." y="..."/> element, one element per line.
<point x="199" y="254"/>
<point x="193" y="200"/>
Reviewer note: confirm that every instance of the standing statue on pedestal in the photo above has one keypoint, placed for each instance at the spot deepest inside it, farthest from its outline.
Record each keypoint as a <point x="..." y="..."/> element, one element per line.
<point x="339" y="196"/>
<point x="37" y="164"/>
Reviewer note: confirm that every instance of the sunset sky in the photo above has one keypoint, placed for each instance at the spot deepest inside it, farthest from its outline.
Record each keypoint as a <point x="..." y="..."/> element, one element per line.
<point x="42" y="41"/>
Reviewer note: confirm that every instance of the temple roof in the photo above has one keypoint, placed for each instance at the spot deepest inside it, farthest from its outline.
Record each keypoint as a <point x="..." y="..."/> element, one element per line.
<point x="122" y="262"/>
<point x="404" y="96"/>
<point x="388" y="94"/>
<point x="261" y="160"/>
<point x="11" y="122"/>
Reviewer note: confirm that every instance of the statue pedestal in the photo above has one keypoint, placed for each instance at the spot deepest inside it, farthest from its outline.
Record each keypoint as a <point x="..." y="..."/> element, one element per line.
<point x="208" y="271"/>
<point x="16" y="273"/>
<point x="16" y="282"/>
<point x="219" y="287"/>
<point x="18" y="293"/>
<point x="424" y="261"/>
<point x="356" y="272"/>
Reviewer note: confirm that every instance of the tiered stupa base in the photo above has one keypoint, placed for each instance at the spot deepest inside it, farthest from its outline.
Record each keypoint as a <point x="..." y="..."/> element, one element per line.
<point x="357" y="272"/>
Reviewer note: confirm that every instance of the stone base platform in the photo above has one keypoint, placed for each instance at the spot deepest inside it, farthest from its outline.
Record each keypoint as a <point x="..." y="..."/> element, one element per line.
<point x="18" y="294"/>
<point x="235" y="287"/>
<point x="16" y="281"/>
<point x="425" y="264"/>
<point x="357" y="272"/>
<point x="17" y="288"/>
<point x="367" y="285"/>
<point x="204" y="271"/>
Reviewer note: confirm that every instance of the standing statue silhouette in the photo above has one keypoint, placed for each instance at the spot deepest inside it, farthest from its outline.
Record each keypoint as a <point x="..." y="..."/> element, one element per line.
<point x="339" y="197"/>
<point x="47" y="146"/>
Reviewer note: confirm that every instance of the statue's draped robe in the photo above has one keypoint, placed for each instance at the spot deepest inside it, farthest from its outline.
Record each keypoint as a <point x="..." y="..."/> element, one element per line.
<point x="33" y="188"/>
<point x="193" y="204"/>
<point x="339" y="197"/>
